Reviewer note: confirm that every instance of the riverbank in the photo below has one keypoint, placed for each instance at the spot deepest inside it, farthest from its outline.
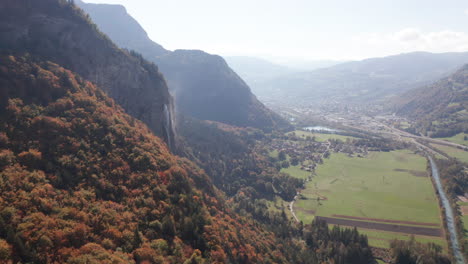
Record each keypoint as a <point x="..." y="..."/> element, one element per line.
<point x="449" y="216"/>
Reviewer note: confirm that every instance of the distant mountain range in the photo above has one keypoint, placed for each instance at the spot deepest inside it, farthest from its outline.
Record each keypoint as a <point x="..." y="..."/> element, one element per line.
<point x="439" y="109"/>
<point x="203" y="84"/>
<point x="305" y="65"/>
<point x="256" y="71"/>
<point x="259" y="72"/>
<point x="366" y="81"/>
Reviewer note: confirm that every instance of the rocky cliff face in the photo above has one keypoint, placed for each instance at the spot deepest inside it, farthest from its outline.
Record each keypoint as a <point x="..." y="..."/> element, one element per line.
<point x="59" y="32"/>
<point x="204" y="86"/>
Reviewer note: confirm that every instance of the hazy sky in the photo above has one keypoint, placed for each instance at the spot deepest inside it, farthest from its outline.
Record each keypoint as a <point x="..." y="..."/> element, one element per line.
<point x="304" y="29"/>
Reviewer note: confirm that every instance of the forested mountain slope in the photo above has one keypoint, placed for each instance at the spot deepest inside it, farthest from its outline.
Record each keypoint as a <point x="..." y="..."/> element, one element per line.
<point x="228" y="159"/>
<point x="60" y="32"/>
<point x="439" y="109"/>
<point x="82" y="181"/>
<point x="231" y="156"/>
<point x="93" y="185"/>
<point x="203" y="84"/>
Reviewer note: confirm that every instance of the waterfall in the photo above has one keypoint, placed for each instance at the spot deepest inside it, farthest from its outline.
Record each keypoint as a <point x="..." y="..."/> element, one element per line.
<point x="168" y="125"/>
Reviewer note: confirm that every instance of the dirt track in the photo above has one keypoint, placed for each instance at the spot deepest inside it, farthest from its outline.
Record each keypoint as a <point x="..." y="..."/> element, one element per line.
<point x="386" y="220"/>
<point x="424" y="231"/>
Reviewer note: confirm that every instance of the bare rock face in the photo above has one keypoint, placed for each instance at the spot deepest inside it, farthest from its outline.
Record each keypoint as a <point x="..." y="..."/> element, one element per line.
<point x="57" y="31"/>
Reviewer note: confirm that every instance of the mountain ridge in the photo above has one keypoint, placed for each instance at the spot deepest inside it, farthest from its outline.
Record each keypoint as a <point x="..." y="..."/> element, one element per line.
<point x="94" y="185"/>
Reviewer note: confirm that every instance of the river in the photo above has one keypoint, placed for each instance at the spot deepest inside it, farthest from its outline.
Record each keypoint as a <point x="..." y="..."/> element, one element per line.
<point x="449" y="217"/>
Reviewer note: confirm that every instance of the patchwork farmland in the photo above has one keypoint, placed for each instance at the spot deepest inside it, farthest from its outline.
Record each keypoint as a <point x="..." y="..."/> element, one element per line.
<point x="387" y="195"/>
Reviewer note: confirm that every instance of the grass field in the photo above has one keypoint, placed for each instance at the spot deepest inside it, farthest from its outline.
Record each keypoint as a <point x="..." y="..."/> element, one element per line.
<point x="319" y="137"/>
<point x="453" y="152"/>
<point x="295" y="171"/>
<point x="459" y="139"/>
<point x="384" y="185"/>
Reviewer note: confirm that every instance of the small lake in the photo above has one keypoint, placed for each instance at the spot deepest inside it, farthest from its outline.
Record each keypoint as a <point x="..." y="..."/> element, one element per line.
<point x="321" y="129"/>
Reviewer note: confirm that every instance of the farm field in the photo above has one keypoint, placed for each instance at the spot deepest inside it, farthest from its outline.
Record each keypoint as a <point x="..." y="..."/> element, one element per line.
<point x="452" y="152"/>
<point x="382" y="239"/>
<point x="381" y="190"/>
<point x="395" y="228"/>
<point x="320" y="137"/>
<point x="459" y="139"/>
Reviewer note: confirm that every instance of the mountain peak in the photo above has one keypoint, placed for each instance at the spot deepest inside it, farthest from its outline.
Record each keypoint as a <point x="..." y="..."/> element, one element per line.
<point x="126" y="32"/>
<point x="112" y="7"/>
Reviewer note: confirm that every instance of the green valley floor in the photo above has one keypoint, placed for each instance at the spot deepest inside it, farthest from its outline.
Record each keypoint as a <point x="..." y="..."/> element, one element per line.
<point x="388" y="195"/>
